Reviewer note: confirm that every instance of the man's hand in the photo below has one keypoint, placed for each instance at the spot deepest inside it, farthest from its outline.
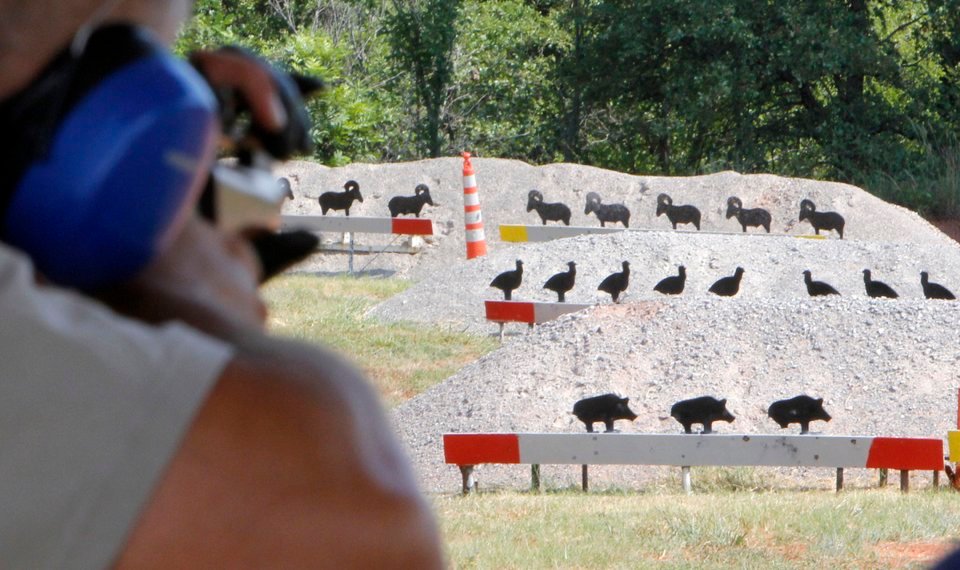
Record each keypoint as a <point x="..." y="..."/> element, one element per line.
<point x="205" y="278"/>
<point x="278" y="128"/>
<point x="232" y="69"/>
<point x="243" y="81"/>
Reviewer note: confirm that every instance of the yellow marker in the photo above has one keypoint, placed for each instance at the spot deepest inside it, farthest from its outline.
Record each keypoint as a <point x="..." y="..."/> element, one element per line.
<point x="814" y="236"/>
<point x="953" y="442"/>
<point x="513" y="233"/>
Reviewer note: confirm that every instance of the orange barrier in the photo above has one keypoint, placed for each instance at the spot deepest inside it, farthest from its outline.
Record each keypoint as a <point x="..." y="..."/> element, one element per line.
<point x="466" y="450"/>
<point x="529" y="312"/>
<point x="359" y="224"/>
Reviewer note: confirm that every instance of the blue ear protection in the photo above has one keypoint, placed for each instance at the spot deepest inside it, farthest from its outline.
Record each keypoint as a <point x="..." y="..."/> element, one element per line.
<point x="110" y="148"/>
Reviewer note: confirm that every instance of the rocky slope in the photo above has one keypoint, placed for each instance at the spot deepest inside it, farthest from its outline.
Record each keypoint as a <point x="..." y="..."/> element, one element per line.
<point x="884" y="367"/>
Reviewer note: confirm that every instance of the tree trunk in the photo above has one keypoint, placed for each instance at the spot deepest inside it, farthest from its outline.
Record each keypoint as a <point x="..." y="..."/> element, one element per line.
<point x="570" y="136"/>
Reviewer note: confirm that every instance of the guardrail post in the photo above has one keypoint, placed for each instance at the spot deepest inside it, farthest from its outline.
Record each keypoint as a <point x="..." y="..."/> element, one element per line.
<point x="883" y="477"/>
<point x="904" y="480"/>
<point x="584" y="477"/>
<point x="839" y="479"/>
<point x="469" y="483"/>
<point x="350" y="267"/>
<point x="936" y="479"/>
<point x="685" y="476"/>
<point x="535" y="476"/>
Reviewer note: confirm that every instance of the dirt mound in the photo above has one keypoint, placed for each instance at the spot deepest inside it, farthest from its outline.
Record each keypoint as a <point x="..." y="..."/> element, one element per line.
<point x="883" y="367"/>
<point x="773" y="267"/>
<point x="504" y="184"/>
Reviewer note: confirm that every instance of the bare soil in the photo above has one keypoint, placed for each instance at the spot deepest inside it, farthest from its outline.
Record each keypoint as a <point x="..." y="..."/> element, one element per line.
<point x="911" y="554"/>
<point x="949" y="227"/>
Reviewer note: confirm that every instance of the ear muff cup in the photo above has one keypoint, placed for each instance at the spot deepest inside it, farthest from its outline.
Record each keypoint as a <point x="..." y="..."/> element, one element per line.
<point x="120" y="169"/>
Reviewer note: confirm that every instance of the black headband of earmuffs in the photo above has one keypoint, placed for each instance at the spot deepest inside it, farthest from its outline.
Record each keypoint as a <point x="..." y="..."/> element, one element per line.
<point x="104" y="154"/>
<point x="30" y="117"/>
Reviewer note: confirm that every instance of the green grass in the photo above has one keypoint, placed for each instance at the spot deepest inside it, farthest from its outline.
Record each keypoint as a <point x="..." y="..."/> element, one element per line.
<point x="782" y="529"/>
<point x="402" y="359"/>
<point x="738" y="518"/>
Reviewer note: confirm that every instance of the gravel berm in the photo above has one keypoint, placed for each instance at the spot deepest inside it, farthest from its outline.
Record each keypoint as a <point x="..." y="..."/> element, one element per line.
<point x="883" y="367"/>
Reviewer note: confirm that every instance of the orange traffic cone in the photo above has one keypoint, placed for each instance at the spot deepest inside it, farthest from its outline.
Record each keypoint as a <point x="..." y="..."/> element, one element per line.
<point x="472" y="219"/>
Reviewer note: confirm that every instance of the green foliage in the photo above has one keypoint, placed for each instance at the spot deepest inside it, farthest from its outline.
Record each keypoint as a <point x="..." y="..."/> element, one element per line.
<point x="228" y="22"/>
<point x="346" y="117"/>
<point x="504" y="99"/>
<point x="739" y="84"/>
<point x="928" y="180"/>
<point x="827" y="88"/>
<point x="422" y="35"/>
<point x="346" y="120"/>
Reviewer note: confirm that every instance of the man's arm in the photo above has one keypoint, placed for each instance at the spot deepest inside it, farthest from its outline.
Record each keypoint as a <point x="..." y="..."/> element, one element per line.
<point x="290" y="463"/>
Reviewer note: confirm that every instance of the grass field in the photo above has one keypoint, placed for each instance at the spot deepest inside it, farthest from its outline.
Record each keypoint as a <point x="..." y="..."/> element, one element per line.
<point x="402" y="359"/>
<point x="722" y="529"/>
<point x="734" y="521"/>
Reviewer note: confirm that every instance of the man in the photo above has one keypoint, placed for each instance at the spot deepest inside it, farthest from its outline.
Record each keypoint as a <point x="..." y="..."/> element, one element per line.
<point x="183" y="436"/>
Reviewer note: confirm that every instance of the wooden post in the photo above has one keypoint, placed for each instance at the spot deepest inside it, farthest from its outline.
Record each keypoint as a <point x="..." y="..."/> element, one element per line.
<point x="936" y="479"/>
<point x="584" y="478"/>
<point x="535" y="476"/>
<point x="904" y="480"/>
<point x="839" y="479"/>
<point x="883" y="477"/>
<point x="501" y="331"/>
<point x="685" y="476"/>
<point x="469" y="483"/>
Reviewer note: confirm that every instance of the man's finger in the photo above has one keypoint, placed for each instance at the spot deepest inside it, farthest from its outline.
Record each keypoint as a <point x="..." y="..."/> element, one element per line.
<point x="251" y="78"/>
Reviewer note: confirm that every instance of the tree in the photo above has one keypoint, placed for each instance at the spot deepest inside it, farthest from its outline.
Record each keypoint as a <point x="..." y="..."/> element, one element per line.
<point x="347" y="120"/>
<point x="866" y="91"/>
<point x="422" y="37"/>
<point x="504" y="99"/>
<point x="696" y="85"/>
